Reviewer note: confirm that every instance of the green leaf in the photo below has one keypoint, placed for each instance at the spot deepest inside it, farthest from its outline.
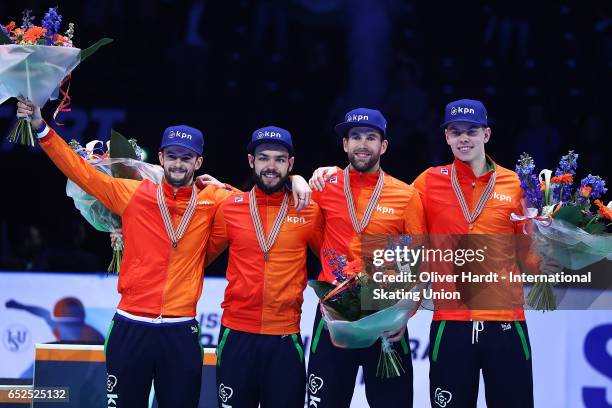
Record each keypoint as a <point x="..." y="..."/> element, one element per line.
<point x="571" y="214"/>
<point x="321" y="288"/>
<point x="120" y="147"/>
<point x="346" y="303"/>
<point x="595" y="228"/>
<point x="4" y="39"/>
<point x="88" y="51"/>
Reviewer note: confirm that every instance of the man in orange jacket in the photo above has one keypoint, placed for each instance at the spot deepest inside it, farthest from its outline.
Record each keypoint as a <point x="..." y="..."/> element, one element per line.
<point x="154" y="335"/>
<point x="360" y="200"/>
<point x="260" y="357"/>
<point x="471" y="200"/>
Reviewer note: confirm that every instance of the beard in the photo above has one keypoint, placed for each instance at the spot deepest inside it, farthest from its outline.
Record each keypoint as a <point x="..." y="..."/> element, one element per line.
<point x="363" y="165"/>
<point x="178" y="179"/>
<point x="270" y="188"/>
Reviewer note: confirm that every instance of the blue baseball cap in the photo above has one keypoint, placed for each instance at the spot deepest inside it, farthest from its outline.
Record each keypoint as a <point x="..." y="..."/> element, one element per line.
<point x="271" y="134"/>
<point x="185" y="136"/>
<point x="465" y="110"/>
<point x="362" y="117"/>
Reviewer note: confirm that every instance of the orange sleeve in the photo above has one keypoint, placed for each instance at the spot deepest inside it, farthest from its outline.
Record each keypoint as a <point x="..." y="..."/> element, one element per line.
<point x="316" y="238"/>
<point x="317" y="196"/>
<point x="419" y="182"/>
<point x="113" y="193"/>
<point x="218" y="239"/>
<point x="228" y="191"/>
<point x="414" y="216"/>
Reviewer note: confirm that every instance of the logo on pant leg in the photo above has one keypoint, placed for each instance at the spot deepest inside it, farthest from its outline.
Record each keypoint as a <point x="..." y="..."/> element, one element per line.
<point x="442" y="397"/>
<point x="314" y="385"/>
<point x="111" y="383"/>
<point x="225" y="393"/>
<point x="506" y="326"/>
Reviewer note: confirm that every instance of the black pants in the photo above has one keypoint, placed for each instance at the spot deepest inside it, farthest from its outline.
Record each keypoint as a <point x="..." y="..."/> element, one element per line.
<point x="168" y="354"/>
<point x="332" y="372"/>
<point x="460" y="349"/>
<point x="260" y="370"/>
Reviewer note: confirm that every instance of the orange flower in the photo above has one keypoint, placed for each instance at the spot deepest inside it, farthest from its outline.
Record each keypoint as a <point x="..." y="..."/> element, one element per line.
<point x="585" y="191"/>
<point x="33" y="34"/>
<point x="18" y="32"/>
<point x="604" y="212"/>
<point x="59" y="39"/>
<point x="10" y="26"/>
<point x="542" y="186"/>
<point x="566" y="178"/>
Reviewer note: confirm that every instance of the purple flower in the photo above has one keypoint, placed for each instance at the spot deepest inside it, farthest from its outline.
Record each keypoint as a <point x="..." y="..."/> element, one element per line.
<point x="137" y="149"/>
<point x="337" y="262"/>
<point x="567" y="164"/>
<point x="525" y="165"/>
<point x="597" y="184"/>
<point x="529" y="181"/>
<point x="51" y="23"/>
<point x="531" y="191"/>
<point x="5" y="31"/>
<point x="26" y="19"/>
<point x="561" y="192"/>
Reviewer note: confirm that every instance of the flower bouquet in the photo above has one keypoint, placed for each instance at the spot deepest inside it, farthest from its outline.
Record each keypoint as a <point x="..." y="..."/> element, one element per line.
<point x="122" y="159"/>
<point x="36" y="62"/>
<point x="356" y="319"/>
<point x="570" y="224"/>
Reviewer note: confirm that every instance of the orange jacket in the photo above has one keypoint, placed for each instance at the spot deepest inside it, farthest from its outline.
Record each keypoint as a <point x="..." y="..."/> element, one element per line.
<point x="399" y="211"/>
<point x="264" y="297"/>
<point x="155" y="279"/>
<point x="444" y="217"/>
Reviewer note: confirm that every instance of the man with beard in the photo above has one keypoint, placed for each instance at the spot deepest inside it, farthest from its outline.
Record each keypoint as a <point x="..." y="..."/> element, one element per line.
<point x="154" y="335"/>
<point x="377" y="204"/>
<point x="260" y="357"/>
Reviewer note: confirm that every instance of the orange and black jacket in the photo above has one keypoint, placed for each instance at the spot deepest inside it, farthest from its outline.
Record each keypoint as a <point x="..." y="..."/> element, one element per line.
<point x="399" y="212"/>
<point x="499" y="235"/>
<point x="155" y="279"/>
<point x="264" y="297"/>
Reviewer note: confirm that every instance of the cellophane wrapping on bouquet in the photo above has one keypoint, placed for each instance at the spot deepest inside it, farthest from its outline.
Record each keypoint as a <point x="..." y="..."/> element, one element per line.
<point x="355" y="320"/>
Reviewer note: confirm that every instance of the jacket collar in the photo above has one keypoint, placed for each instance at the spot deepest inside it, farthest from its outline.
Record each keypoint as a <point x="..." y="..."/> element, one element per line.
<point x="464" y="169"/>
<point x="367" y="179"/>
<point x="182" y="193"/>
<point x="274" y="198"/>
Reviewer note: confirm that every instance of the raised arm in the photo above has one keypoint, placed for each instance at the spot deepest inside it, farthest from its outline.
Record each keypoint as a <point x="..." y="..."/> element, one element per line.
<point x="113" y="193"/>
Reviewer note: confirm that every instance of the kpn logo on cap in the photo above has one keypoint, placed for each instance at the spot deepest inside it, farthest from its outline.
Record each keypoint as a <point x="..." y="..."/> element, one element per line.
<point x="465" y="110"/>
<point x="185" y="136"/>
<point x="271" y="134"/>
<point x="362" y="117"/>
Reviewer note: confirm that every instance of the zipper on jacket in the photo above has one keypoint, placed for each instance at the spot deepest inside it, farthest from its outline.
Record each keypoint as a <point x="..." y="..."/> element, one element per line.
<point x="163" y="300"/>
<point x="265" y="267"/>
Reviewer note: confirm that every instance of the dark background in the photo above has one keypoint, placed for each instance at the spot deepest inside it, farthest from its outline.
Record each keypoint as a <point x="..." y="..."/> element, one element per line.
<point x="542" y="69"/>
